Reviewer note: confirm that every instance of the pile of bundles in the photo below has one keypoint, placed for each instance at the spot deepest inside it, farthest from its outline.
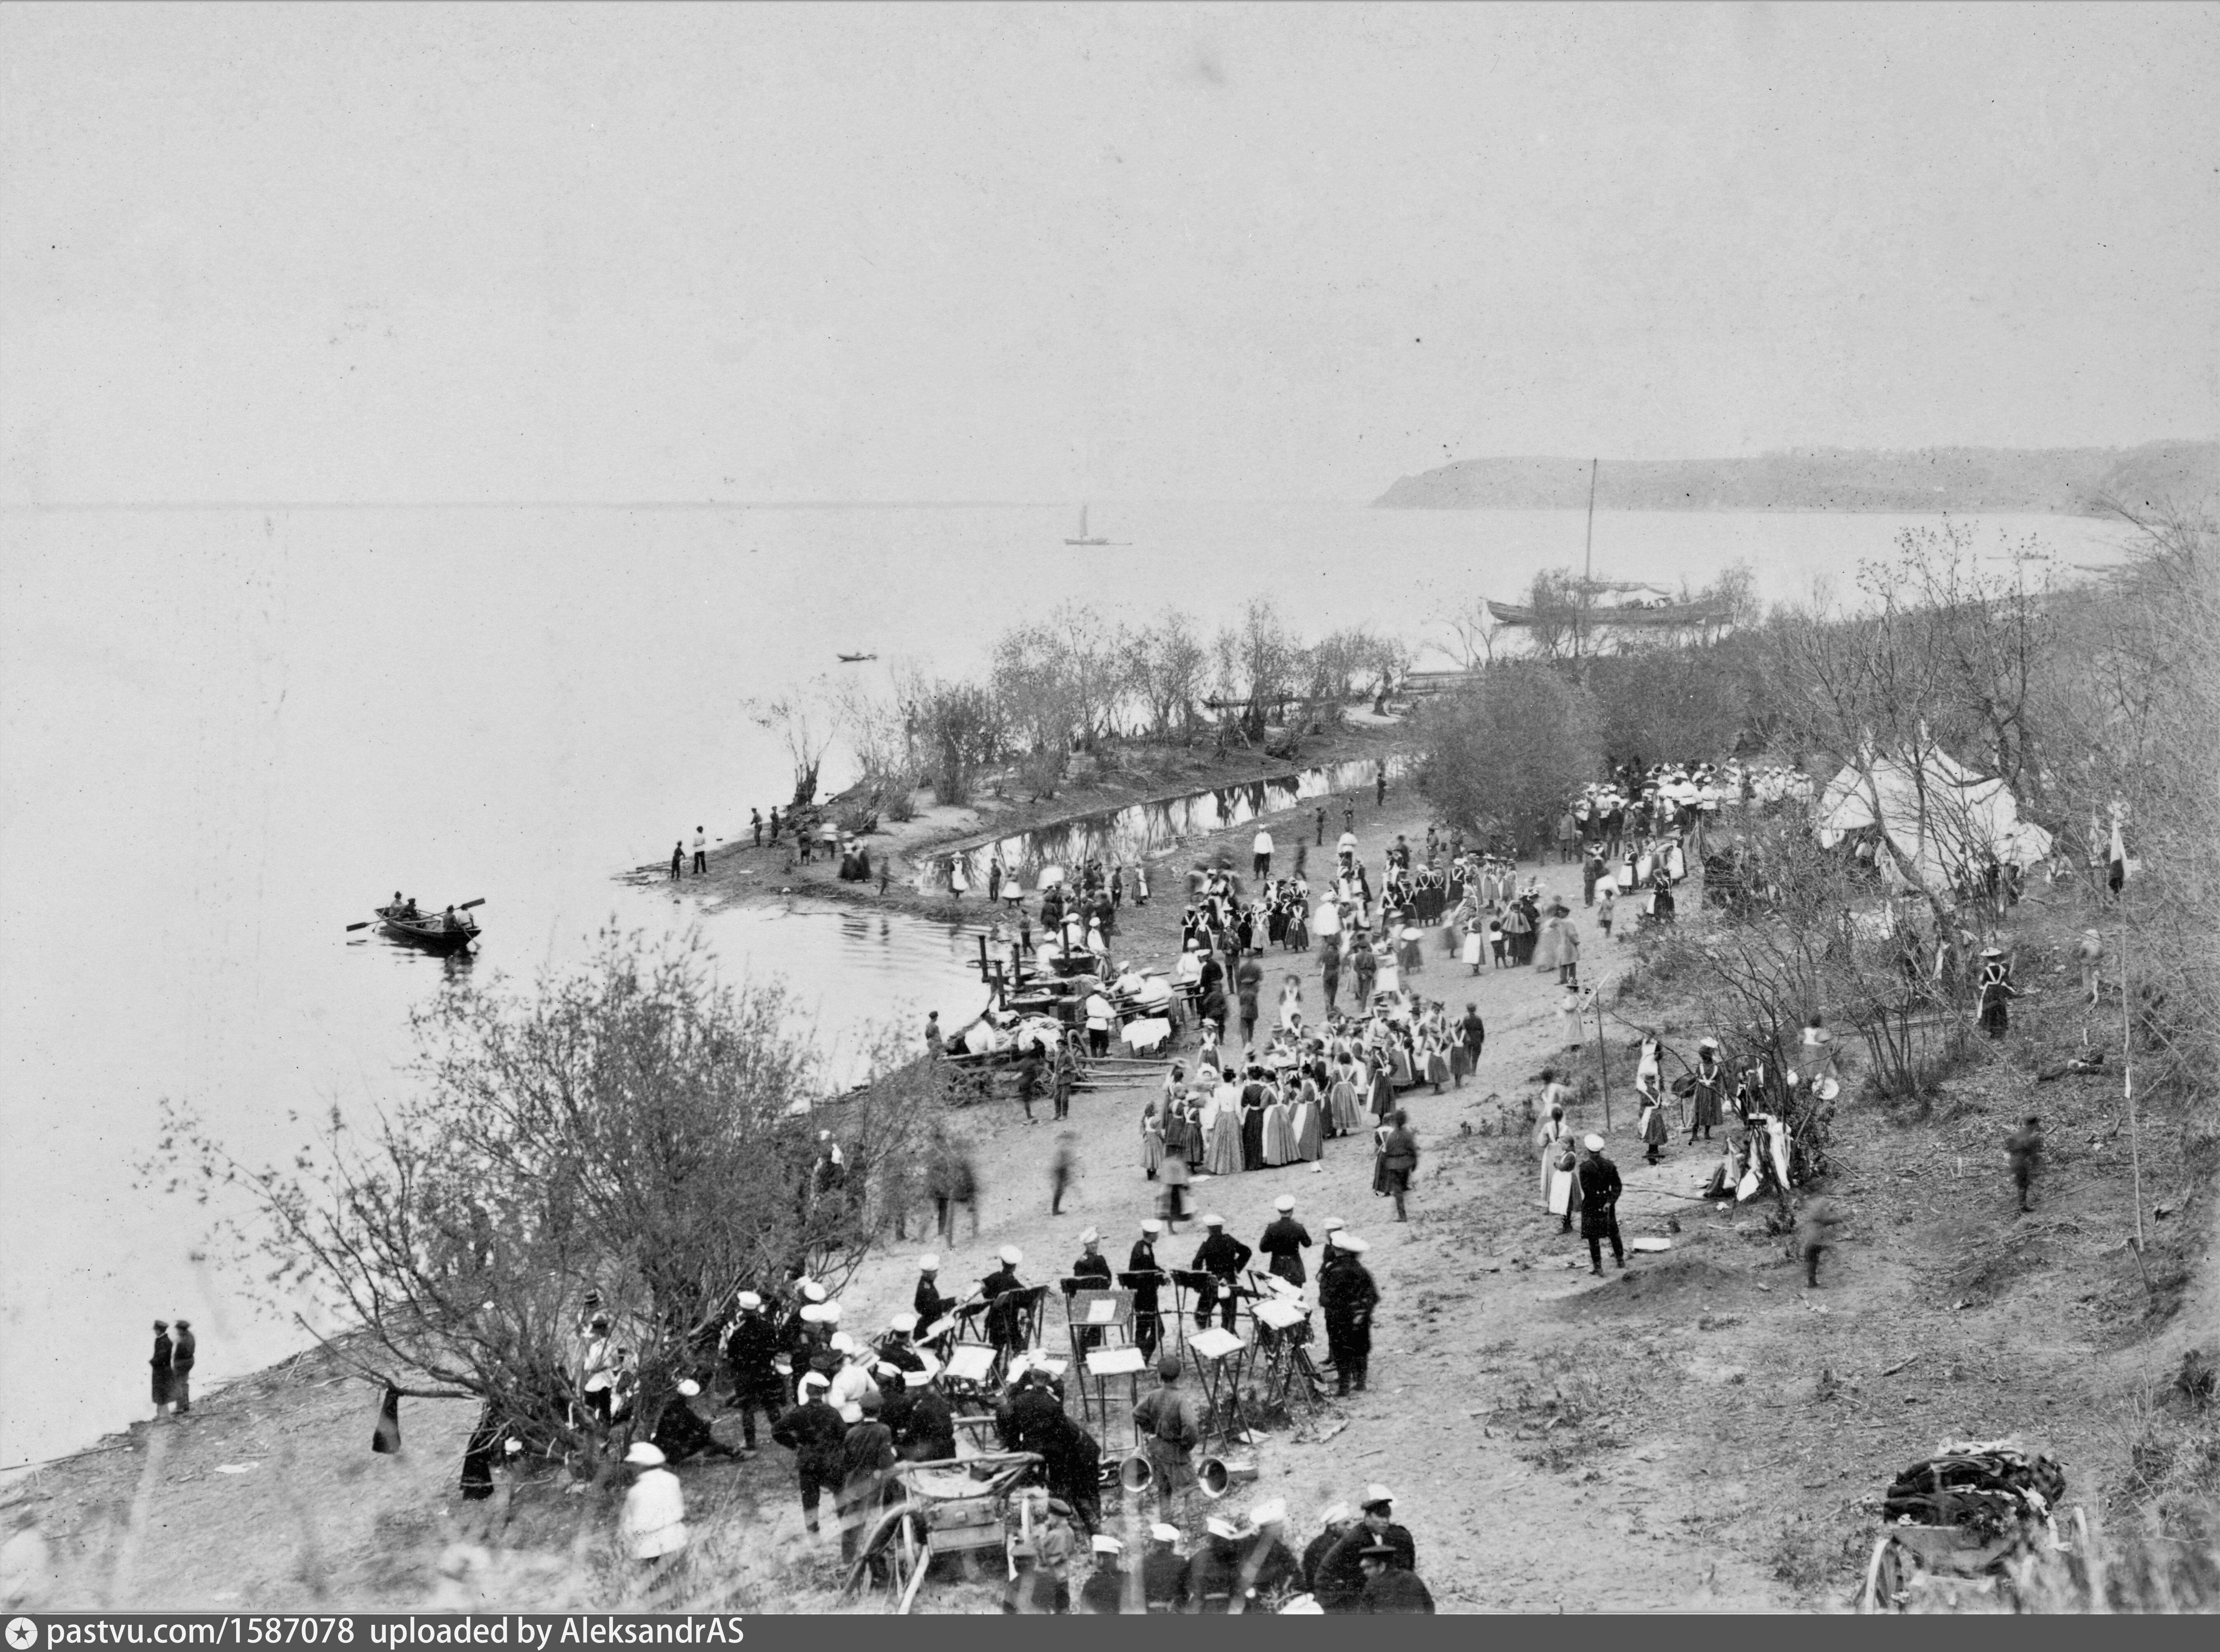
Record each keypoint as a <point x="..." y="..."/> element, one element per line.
<point x="1992" y="1488"/>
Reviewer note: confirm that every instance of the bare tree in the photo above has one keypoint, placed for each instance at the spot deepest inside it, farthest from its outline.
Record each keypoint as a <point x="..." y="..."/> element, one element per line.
<point x="1173" y="672"/>
<point x="804" y="722"/>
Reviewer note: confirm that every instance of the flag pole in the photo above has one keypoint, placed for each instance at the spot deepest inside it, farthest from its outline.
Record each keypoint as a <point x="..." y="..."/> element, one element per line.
<point x="2128" y="1035"/>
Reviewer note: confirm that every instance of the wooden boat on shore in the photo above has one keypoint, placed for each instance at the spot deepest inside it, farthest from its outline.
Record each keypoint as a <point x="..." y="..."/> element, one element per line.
<point x="429" y="930"/>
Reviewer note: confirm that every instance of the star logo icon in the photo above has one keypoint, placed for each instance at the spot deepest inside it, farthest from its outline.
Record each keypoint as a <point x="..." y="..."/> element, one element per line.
<point x="22" y="1634"/>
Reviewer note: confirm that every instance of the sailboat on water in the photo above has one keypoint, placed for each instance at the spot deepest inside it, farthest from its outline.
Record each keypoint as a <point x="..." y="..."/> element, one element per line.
<point x="1084" y="539"/>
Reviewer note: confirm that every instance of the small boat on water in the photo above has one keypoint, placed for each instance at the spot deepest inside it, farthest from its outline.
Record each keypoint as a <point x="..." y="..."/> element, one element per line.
<point x="1083" y="538"/>
<point x="854" y="659"/>
<point x="429" y="930"/>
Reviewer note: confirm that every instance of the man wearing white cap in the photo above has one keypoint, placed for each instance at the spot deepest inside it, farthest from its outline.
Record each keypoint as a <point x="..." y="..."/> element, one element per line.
<point x="1347" y="1296"/>
<point x="1222" y="1256"/>
<point x="896" y="1349"/>
<point x="1105" y="1589"/>
<point x="1340" y="1579"/>
<point x="1599" y="1191"/>
<point x="1147" y="1323"/>
<point x="852" y="1382"/>
<point x="812" y="1431"/>
<point x="653" y="1524"/>
<point x="750" y="1347"/>
<point x="1284" y="1242"/>
<point x="1212" y="1574"/>
<point x="1005" y="1320"/>
<point x="1163" y="1571"/>
<point x="1333" y="1525"/>
<point x="680" y="1431"/>
<point x="1266" y="1566"/>
<point x="930" y="1306"/>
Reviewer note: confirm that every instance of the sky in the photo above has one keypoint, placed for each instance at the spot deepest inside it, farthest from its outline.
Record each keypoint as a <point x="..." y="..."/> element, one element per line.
<point x="439" y="253"/>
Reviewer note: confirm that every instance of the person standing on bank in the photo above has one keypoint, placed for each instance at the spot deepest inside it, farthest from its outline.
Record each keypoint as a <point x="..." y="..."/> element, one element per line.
<point x="700" y="851"/>
<point x="1347" y="1296"/>
<point x="677" y="860"/>
<point x="1222" y="1256"/>
<point x="1997" y="992"/>
<point x="1284" y="1242"/>
<point x="2024" y="1147"/>
<point x="1260" y="853"/>
<point x="183" y="1352"/>
<point x="1599" y="1191"/>
<point x="755" y="826"/>
<point x="1166" y="1424"/>
<point x="1398" y="1159"/>
<point x="160" y="1366"/>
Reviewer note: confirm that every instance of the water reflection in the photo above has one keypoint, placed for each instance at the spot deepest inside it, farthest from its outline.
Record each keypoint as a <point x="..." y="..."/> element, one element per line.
<point x="1140" y="830"/>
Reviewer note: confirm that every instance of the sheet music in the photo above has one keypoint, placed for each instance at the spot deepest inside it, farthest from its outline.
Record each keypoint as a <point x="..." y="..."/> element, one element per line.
<point x="1116" y="1362"/>
<point x="1214" y="1344"/>
<point x="1103" y="1311"/>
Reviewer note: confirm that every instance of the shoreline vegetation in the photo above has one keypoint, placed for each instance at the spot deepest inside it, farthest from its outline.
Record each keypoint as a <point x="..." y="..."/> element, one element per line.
<point x="1743" y="1425"/>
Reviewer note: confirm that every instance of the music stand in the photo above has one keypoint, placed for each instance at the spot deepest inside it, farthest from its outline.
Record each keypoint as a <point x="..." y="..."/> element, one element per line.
<point x="1190" y="1281"/>
<point x="1283" y="1327"/>
<point x="1095" y="1319"/>
<point x="1218" y="1356"/>
<point x="1103" y="1365"/>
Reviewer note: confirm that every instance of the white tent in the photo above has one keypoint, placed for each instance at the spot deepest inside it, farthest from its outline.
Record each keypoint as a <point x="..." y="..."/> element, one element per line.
<point x="1941" y="819"/>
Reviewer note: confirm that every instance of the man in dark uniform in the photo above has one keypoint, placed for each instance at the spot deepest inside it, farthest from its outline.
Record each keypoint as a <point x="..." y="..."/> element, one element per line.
<point x="1285" y="1240"/>
<point x="1105" y="1589"/>
<point x="929" y="1305"/>
<point x="1333" y="1526"/>
<point x="867" y="1457"/>
<point x="1387" y="1587"/>
<point x="1599" y="1191"/>
<point x="1340" y="1578"/>
<point x="159" y="1365"/>
<point x="1005" y="1326"/>
<point x="1166" y="1424"/>
<point x="182" y="1355"/>
<point x="1029" y="1077"/>
<point x="1222" y="1256"/>
<point x="1163" y="1572"/>
<point x="1265" y="1568"/>
<point x="1147" y="1323"/>
<point x="1213" y="1570"/>
<point x="750" y="1347"/>
<point x="812" y="1431"/>
<point x="1347" y="1296"/>
<point x="930" y="1436"/>
<point x="895" y="1348"/>
<point x="1071" y="1462"/>
<point x="1092" y="1270"/>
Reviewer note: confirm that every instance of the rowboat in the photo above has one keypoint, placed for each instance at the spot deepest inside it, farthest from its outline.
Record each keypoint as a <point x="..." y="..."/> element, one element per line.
<point x="427" y="930"/>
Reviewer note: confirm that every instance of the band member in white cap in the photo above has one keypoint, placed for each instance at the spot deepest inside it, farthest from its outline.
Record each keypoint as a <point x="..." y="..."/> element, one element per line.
<point x="812" y="1431"/>
<point x="1222" y="1256"/>
<point x="1339" y="1583"/>
<point x="927" y="1303"/>
<point x="1284" y="1242"/>
<point x="1163" y="1571"/>
<point x="1327" y="1229"/>
<point x="1333" y="1525"/>
<point x="896" y="1348"/>
<point x="1211" y="1570"/>
<point x="1005" y="1321"/>
<point x="1599" y="1191"/>
<point x="653" y="1524"/>
<point x="1107" y="1586"/>
<point x="1092" y="1271"/>
<point x="1148" y="1322"/>
<point x="751" y="1345"/>
<point x="1347" y="1297"/>
<point x="1265" y="1568"/>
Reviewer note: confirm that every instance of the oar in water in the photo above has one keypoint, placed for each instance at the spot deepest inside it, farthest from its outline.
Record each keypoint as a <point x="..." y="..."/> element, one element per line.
<point x="367" y="922"/>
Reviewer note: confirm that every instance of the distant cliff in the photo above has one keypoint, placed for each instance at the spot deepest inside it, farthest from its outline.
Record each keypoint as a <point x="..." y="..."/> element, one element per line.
<point x="2069" y="479"/>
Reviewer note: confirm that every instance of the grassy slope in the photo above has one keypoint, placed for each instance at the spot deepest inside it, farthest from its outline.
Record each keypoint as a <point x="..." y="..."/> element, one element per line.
<point x="1722" y="1432"/>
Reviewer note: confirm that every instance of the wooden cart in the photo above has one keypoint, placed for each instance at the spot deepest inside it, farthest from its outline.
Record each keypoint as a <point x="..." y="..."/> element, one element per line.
<point x="959" y="1506"/>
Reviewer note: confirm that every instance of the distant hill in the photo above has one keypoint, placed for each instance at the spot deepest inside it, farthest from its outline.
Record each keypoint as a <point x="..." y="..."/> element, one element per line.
<point x="2074" y="480"/>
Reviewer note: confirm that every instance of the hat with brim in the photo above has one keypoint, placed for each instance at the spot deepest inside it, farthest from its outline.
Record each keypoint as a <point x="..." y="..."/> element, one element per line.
<point x="1011" y="1255"/>
<point x="1218" y="1527"/>
<point x="928" y="1264"/>
<point x="1106" y="1545"/>
<point x="1284" y="1203"/>
<point x="1350" y="1243"/>
<point x="1377" y="1551"/>
<point x="1213" y="1220"/>
<point x="644" y="1454"/>
<point x="1163" y="1533"/>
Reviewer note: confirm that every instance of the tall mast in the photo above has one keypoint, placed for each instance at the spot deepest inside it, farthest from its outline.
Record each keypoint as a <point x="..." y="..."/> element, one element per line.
<point x="1588" y="564"/>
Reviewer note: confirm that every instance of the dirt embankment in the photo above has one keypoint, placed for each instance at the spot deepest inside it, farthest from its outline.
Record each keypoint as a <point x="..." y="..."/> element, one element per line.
<point x="1123" y="775"/>
<point x="1698" y="1432"/>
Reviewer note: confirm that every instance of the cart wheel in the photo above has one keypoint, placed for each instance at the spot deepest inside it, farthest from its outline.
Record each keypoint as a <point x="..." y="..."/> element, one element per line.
<point x="1888" y="1578"/>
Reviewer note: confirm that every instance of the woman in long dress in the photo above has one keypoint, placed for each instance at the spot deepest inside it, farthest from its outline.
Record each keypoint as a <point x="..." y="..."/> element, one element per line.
<point x="1253" y="1098"/>
<point x="1222" y="1156"/>
<point x="1548" y="1140"/>
<point x="1307" y="1124"/>
<point x="1279" y="1133"/>
<point x="1152" y="1135"/>
<point x="1342" y="1097"/>
<point x="1708" y="1084"/>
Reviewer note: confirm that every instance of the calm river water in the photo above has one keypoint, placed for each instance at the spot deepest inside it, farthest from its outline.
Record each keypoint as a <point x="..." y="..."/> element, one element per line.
<point x="227" y="733"/>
